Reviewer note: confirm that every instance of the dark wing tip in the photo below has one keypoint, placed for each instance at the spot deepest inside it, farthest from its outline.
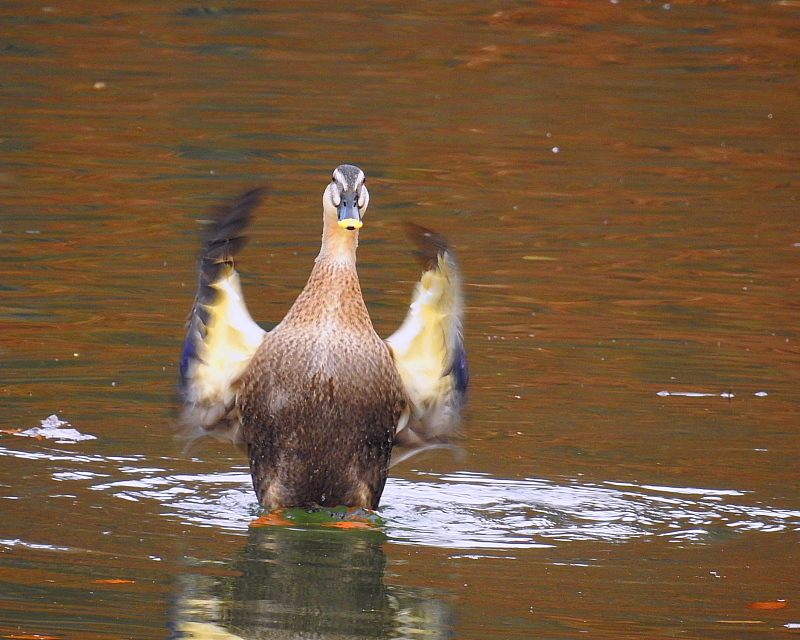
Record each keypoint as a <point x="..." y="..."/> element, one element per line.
<point x="226" y="235"/>
<point x="224" y="239"/>
<point x="430" y="245"/>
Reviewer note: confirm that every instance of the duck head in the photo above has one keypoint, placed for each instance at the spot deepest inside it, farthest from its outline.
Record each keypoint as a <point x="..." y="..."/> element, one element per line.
<point x="346" y="197"/>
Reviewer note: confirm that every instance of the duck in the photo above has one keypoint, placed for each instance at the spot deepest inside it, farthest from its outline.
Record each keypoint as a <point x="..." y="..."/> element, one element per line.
<point x="321" y="404"/>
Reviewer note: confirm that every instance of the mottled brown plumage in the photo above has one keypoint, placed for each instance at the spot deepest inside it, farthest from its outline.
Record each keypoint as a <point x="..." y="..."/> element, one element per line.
<point x="321" y="399"/>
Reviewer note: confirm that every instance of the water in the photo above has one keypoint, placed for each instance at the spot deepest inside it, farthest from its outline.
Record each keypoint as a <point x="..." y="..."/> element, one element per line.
<point x="620" y="182"/>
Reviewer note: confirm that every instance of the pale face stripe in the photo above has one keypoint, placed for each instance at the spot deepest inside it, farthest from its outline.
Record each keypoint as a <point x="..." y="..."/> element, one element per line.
<point x="350" y="179"/>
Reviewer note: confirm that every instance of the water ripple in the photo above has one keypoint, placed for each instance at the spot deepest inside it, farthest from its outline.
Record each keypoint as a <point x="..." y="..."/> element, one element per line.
<point x="456" y="511"/>
<point x="477" y="511"/>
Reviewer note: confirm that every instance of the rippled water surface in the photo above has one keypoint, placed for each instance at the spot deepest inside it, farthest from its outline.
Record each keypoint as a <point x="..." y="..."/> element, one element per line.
<point x="620" y="180"/>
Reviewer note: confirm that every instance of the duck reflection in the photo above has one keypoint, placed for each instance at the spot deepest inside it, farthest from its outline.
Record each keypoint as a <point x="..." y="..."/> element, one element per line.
<point x="301" y="583"/>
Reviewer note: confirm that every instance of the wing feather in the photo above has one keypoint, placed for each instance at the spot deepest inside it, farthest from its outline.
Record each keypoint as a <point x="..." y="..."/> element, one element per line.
<point x="429" y="352"/>
<point x="222" y="337"/>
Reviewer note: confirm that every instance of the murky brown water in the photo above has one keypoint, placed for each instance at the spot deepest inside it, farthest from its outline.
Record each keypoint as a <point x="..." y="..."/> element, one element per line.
<point x="621" y="182"/>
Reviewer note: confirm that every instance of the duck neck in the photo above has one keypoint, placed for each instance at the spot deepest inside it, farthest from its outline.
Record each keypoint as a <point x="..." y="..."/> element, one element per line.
<point x="332" y="296"/>
<point x="338" y="244"/>
<point x="332" y="293"/>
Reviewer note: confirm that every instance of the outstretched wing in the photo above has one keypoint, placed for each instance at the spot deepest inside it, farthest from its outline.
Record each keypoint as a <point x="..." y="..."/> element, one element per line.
<point x="429" y="350"/>
<point x="222" y="337"/>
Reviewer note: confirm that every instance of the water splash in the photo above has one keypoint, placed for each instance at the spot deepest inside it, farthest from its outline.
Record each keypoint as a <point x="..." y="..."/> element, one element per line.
<point x="52" y="428"/>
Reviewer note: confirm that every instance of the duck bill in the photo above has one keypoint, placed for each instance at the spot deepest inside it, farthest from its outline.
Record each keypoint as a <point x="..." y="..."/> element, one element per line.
<point x="349" y="215"/>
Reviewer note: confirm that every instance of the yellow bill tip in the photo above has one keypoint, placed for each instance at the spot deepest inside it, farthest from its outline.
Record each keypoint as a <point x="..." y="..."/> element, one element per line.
<point x="351" y="223"/>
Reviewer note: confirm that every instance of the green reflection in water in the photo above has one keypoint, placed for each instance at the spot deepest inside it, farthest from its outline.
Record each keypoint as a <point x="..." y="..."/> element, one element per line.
<point x="304" y="583"/>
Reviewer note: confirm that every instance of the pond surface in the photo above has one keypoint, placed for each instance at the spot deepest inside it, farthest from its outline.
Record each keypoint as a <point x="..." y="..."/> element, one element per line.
<point x="620" y="180"/>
